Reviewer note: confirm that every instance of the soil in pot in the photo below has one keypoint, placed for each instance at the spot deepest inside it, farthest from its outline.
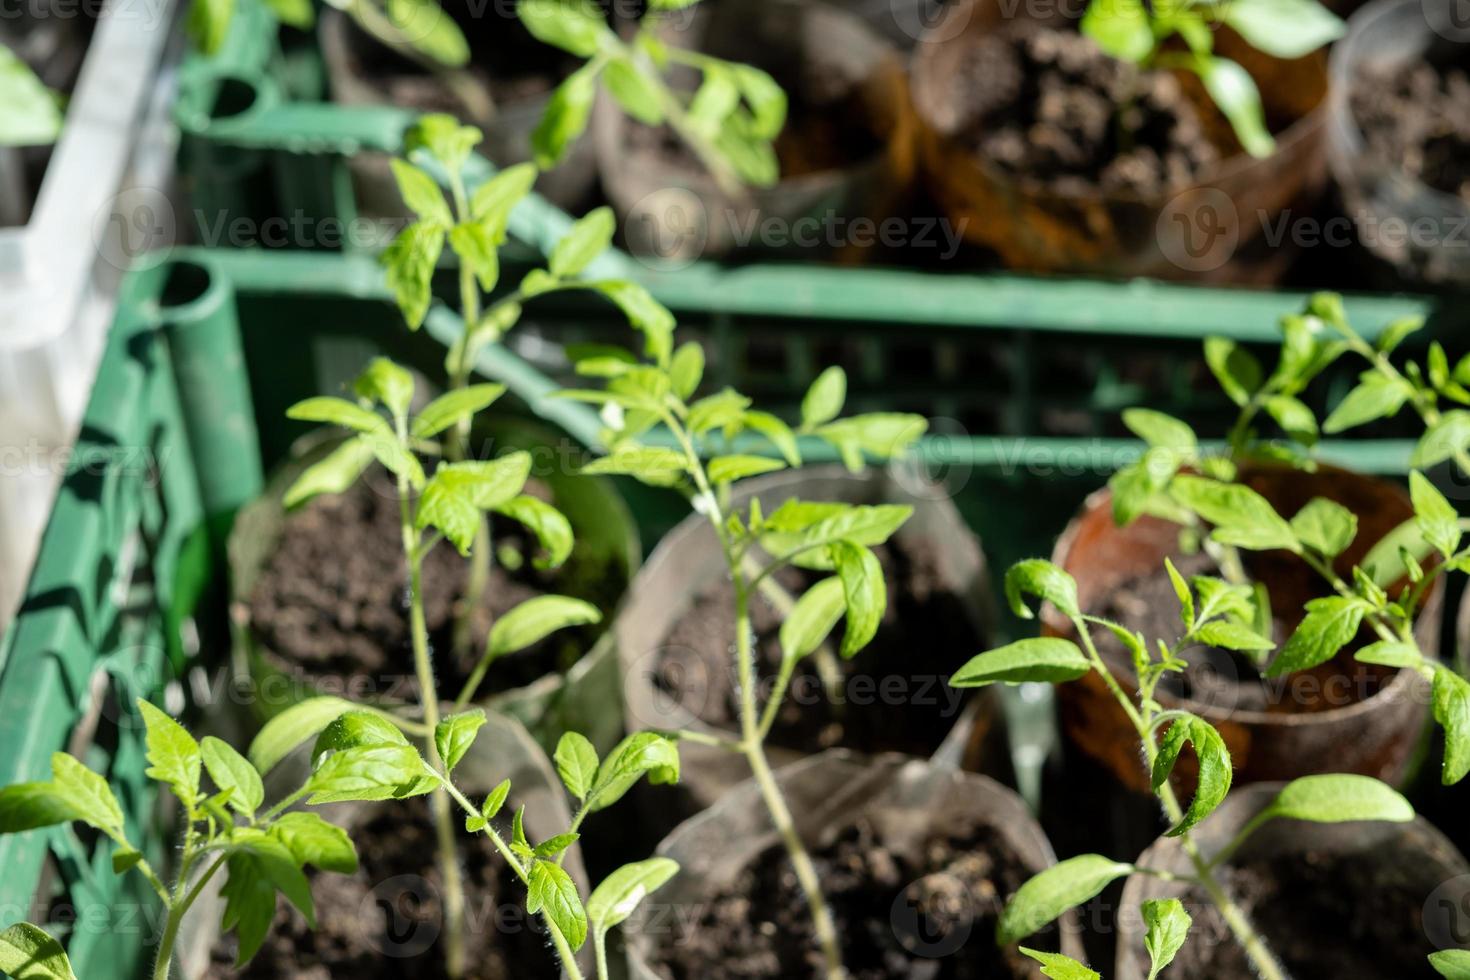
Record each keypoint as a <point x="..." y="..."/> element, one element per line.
<point x="761" y="926"/>
<point x="384" y="920"/>
<point x="1325" y="915"/>
<point x="331" y="603"/>
<point x="1414" y="116"/>
<point x="895" y="692"/>
<point x="1041" y="104"/>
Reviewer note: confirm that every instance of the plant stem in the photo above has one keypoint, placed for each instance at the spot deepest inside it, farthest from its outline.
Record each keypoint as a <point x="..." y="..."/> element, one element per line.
<point x="599" y="946"/>
<point x="178" y="904"/>
<point x="454" y="912"/>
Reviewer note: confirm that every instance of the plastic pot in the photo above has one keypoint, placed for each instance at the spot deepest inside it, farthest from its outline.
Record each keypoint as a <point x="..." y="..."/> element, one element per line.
<point x="673" y="211"/>
<point x="689" y="561"/>
<point x="1377" y="735"/>
<point x="1392" y="208"/>
<point x="507" y="127"/>
<point x="907" y="803"/>
<point x="607" y="546"/>
<point x="1212" y="231"/>
<point x="1428" y="879"/>
<point x="503" y="749"/>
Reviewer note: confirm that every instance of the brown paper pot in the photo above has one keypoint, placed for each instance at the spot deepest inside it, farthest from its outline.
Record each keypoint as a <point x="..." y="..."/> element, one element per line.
<point x="688" y="561"/>
<point x="672" y="211"/>
<point x="906" y="802"/>
<point x="1401" y="881"/>
<point x="1212" y="232"/>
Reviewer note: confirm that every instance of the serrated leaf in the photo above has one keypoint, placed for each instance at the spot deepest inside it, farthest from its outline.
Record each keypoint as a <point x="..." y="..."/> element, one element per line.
<point x="1241" y="516"/>
<point x="1042" y="579"/>
<point x="409" y="261"/>
<point x="454" y="735"/>
<point x="1325" y="526"/>
<point x="386" y="383"/>
<point x="28" y="953"/>
<point x="1437" y="519"/>
<point x="1047" y="895"/>
<point x="1161" y="431"/>
<point x="641" y="753"/>
<point x="1044" y="659"/>
<point x="551" y="891"/>
<point x="445" y="138"/>
<point x="824" y="399"/>
<point x="1340" y="797"/>
<point x="553" y="846"/>
<point x="313" y="841"/>
<point x="370" y="773"/>
<point x="493" y="201"/>
<point x="421" y="193"/>
<point x="1374" y="398"/>
<point x="233" y="772"/>
<point x="621" y="892"/>
<point x="355" y="729"/>
<point x="173" y="755"/>
<point x="1452" y="713"/>
<point x="1447" y="437"/>
<point x="1226" y="635"/>
<point x="1215" y="771"/>
<point x="1059" y="966"/>
<point x="453" y="407"/>
<point x="1167" y="925"/>
<point x="576" y="763"/>
<point x="812" y="618"/>
<point x="458" y="493"/>
<point x="535" y="619"/>
<point x="550" y="526"/>
<point x="864" y="591"/>
<point x="1329" y="625"/>
<point x="293" y="727"/>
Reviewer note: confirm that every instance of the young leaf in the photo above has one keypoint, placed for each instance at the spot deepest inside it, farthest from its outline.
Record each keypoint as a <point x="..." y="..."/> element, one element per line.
<point x="552" y="847"/>
<point x="777" y="431"/>
<point x="1374" y="398"/>
<point x="565" y="24"/>
<point x="1241" y="516"/>
<point x="551" y="890"/>
<point x="421" y="193"/>
<point x="1329" y="625"/>
<point x="1043" y="659"/>
<point x="26" y="806"/>
<point x="455" y="734"/>
<point x="728" y="469"/>
<point x="1234" y="367"/>
<point x="334" y="474"/>
<point x="1325" y="526"/>
<point x="1438" y="521"/>
<point x="1161" y="431"/>
<point x="410" y="262"/>
<point x="1181" y="590"/>
<point x="493" y="201"/>
<point x="445" y="139"/>
<point x="585" y="241"/>
<point x="495" y="800"/>
<point x="33" y="113"/>
<point x="1283" y="28"/>
<point x="1340" y="797"/>
<point x="28" y="953"/>
<point x="458" y="492"/>
<point x="1059" y="966"/>
<point x="1452" y="713"/>
<point x="1294" y="417"/>
<point x="864" y="591"/>
<point x="645" y="314"/>
<point x="621" y="892"/>
<point x="1120" y="28"/>
<point x="550" y="526"/>
<point x="1215" y="772"/>
<point x="1040" y="578"/>
<point x="1168" y="925"/>
<point x="384" y="382"/>
<point x="338" y="411"/>
<point x="565" y="117"/>
<point x="1054" y="891"/>
<point x="1452" y="964"/>
<point x="812" y="618"/>
<point x="1235" y="93"/>
<point x="1226" y="635"/>
<point x="311" y="840"/>
<point x="1390" y="654"/>
<point x="370" y="772"/>
<point x="824" y="399"/>
<point x="475" y="246"/>
<point x="233" y="772"/>
<point x="285" y="731"/>
<point x="883" y="435"/>
<point x="1448" y="436"/>
<point x="639" y="753"/>
<point x="534" y="620"/>
<point x="766" y="100"/>
<point x="576" y="763"/>
<point x="250" y="898"/>
<point x="453" y="407"/>
<point x="655" y="466"/>
<point x="722" y="409"/>
<point x="686" y="369"/>
<point x="173" y="755"/>
<point x="639" y="96"/>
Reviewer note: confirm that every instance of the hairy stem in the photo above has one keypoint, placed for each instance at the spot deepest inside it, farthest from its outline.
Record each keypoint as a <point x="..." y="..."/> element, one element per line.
<point x="178" y="905"/>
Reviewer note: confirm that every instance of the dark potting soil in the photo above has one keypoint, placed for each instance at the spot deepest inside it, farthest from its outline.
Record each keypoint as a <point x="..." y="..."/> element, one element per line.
<point x="1223" y="678"/>
<point x="386" y="919"/>
<point x="331" y="603"/>
<point x="1326" y="917"/>
<point x="1418" y="118"/>
<point x="896" y="691"/>
<point x="886" y="906"/>
<point x="1043" y="105"/>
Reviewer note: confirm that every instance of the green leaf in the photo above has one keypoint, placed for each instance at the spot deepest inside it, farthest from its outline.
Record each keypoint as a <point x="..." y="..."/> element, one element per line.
<point x="551" y="891"/>
<point x="28" y="953"/>
<point x="585" y="241"/>
<point x="1398" y="331"/>
<point x="1241" y="516"/>
<point x="646" y="315"/>
<point x="655" y="466"/>
<point x="1226" y="635"/>
<point x="565" y="117"/>
<point x="1047" y="895"/>
<point x="550" y="526"/>
<point x="493" y="201"/>
<point x="1283" y="28"/>
<point x="824" y="399"/>
<point x="1374" y="398"/>
<point x="430" y="31"/>
<point x="1453" y="964"/>
<point x="256" y="872"/>
<point x="387" y="383"/>
<point x="686" y="369"/>
<point x="32" y="115"/>
<point x="723" y="408"/>
<point x="640" y="753"/>
<point x="453" y="407"/>
<point x="1234" y="367"/>
<point x="812" y="618"/>
<point x="421" y="193"/>
<point x="1121" y="28"/>
<point x="26" y="806"/>
<point x="883" y="435"/>
<point x="86" y="794"/>
<point x="1168" y="926"/>
<point x="454" y="735"/>
<point x="565" y="24"/>
<point x="173" y="755"/>
<point x="777" y="432"/>
<point x="621" y="892"/>
<point x="1447" y="437"/>
<point x="495" y="800"/>
<point x="292" y="727"/>
<point x="864" y="591"/>
<point x="576" y="763"/>
<point x="1236" y="95"/>
<point x="208" y="23"/>
<point x="1325" y="526"/>
<point x="1059" y="966"/>
<point x="1340" y="797"/>
<point x="728" y="469"/>
<point x="1215" y="772"/>
<point x="1295" y="418"/>
<point x="475" y="246"/>
<point x="369" y="772"/>
<point x="640" y="96"/>
<point x="125" y="859"/>
<point x="1452" y="713"/>
<point x="445" y="138"/>
<point x="1329" y="625"/>
<point x="458" y="492"/>
<point x="335" y="473"/>
<point x="1040" y="578"/>
<point x="311" y="840"/>
<point x="535" y="619"/>
<point x="766" y="100"/>
<point x="716" y="98"/>
<point x="1437" y="519"/>
<point x="355" y="729"/>
<point x="233" y="772"/>
<point x="1044" y="659"/>
<point x="1388" y="653"/>
<point x="1181" y="591"/>
<point x="1160" y="430"/>
<point x="338" y="411"/>
<point x="410" y="260"/>
<point x="551" y="847"/>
